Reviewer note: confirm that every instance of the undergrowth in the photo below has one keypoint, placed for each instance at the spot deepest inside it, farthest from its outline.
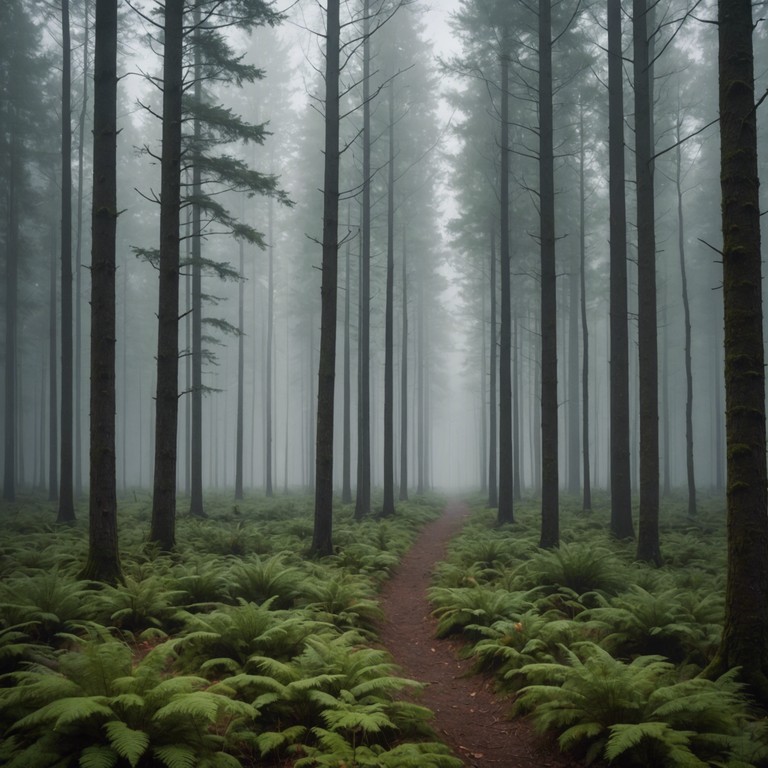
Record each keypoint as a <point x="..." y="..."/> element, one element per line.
<point x="233" y="651"/>
<point x="601" y="650"/>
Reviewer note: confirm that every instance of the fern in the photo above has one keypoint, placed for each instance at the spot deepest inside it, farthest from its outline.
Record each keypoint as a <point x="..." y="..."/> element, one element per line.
<point x="98" y="705"/>
<point x="344" y="600"/>
<point x="458" y="607"/>
<point x="258" y="580"/>
<point x="638" y="711"/>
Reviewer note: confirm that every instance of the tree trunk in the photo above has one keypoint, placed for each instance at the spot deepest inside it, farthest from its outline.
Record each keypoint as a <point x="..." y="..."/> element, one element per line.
<point x="240" y="376"/>
<point x="269" y="407"/>
<point x="550" y="483"/>
<point x="648" y="548"/>
<point x="346" y="461"/>
<point x="163" y="527"/>
<point x="493" y="487"/>
<point x="322" y="537"/>
<point x="53" y="367"/>
<point x="103" y="562"/>
<point x="388" y="507"/>
<point x="196" y="506"/>
<point x="687" y="320"/>
<point x="363" y="494"/>
<point x="621" y="489"/>
<point x="586" y="503"/>
<point x="404" y="383"/>
<point x="78" y="468"/>
<point x="505" y="506"/>
<point x="744" y="642"/>
<point x="517" y="485"/>
<point x="66" y="513"/>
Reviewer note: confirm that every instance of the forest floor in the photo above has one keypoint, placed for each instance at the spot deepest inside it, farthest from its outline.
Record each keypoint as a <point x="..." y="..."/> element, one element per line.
<point x="469" y="717"/>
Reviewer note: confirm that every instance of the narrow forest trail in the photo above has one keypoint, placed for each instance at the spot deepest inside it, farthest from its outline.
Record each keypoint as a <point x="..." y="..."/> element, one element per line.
<point x="469" y="716"/>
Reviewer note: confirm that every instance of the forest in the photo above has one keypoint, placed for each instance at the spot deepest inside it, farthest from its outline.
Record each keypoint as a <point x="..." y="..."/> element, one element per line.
<point x="347" y="344"/>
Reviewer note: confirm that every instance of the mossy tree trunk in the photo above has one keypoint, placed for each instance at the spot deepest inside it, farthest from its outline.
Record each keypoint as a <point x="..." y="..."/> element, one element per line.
<point x="745" y="634"/>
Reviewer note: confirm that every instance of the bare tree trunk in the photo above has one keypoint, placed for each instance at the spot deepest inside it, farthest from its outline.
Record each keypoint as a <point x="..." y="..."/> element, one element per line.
<point x="388" y="508"/>
<point x="103" y="562"/>
<point x="404" y="383"/>
<point x="322" y="537"/>
<point x="621" y="488"/>
<point x="493" y="488"/>
<point x="586" y="503"/>
<point x="240" y="375"/>
<point x="687" y="321"/>
<point x="78" y="416"/>
<point x="363" y="492"/>
<point x="648" y="526"/>
<point x="269" y="407"/>
<point x="163" y="527"/>
<point x="66" y="513"/>
<point x="346" y="465"/>
<point x="53" y="388"/>
<point x="505" y="503"/>
<point x="550" y="482"/>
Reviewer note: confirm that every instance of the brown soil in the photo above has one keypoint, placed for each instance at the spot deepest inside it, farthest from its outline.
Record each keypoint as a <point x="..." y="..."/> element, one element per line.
<point x="469" y="716"/>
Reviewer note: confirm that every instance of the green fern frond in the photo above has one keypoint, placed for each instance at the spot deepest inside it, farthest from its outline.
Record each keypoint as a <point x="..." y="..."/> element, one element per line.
<point x="98" y="757"/>
<point x="272" y="741"/>
<point x="127" y="742"/>
<point x="175" y="756"/>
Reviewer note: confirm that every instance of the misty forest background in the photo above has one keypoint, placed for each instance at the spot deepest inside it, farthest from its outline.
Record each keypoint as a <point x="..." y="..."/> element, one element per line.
<point x="446" y="217"/>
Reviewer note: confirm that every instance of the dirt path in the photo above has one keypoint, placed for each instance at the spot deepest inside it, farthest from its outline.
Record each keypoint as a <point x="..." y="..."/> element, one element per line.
<point x="469" y="717"/>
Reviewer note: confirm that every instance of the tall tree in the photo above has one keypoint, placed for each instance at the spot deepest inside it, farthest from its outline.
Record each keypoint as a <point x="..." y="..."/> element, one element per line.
<point x="322" y="536"/>
<point x="648" y="524"/>
<point x="586" y="503"/>
<point x="78" y="388"/>
<point x="66" y="512"/>
<point x="550" y="514"/>
<point x="388" y="508"/>
<point x="103" y="562"/>
<point x="621" y="490"/>
<point x="363" y="492"/>
<point x="163" y="528"/>
<point x="505" y="512"/>
<point x="744" y="642"/>
<point x="403" y="495"/>
<point x="689" y="462"/>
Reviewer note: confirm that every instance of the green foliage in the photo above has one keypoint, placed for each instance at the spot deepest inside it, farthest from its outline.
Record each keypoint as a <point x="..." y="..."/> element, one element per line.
<point x="636" y="712"/>
<point x="344" y="600"/>
<point x="97" y="707"/>
<point x="48" y="603"/>
<point x="458" y="608"/>
<point x="672" y="622"/>
<point x="259" y="579"/>
<point x="223" y="641"/>
<point x="580" y="567"/>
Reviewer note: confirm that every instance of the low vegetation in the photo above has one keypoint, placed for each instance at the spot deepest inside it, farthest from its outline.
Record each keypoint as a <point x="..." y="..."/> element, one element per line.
<point x="237" y="650"/>
<point x="601" y="650"/>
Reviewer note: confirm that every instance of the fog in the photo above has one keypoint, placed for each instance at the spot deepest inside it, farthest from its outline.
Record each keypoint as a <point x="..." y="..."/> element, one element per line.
<point x="439" y="64"/>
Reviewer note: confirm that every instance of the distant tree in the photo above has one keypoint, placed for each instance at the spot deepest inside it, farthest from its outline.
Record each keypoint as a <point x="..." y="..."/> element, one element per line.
<point x="744" y="642"/>
<point x="388" y="508"/>
<point x="103" y="563"/>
